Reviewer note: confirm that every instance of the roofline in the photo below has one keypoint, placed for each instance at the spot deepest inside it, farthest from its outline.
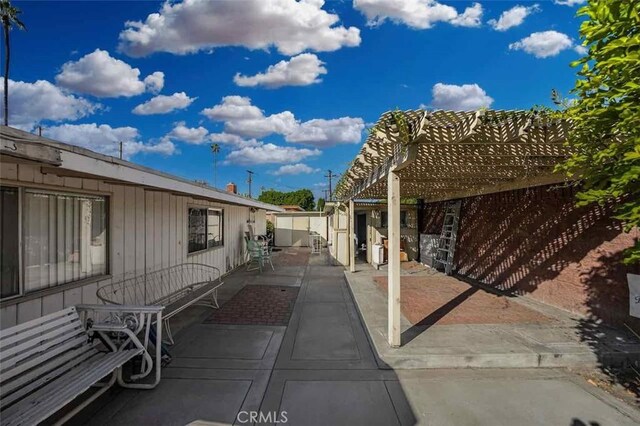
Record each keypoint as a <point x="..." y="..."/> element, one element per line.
<point x="77" y="159"/>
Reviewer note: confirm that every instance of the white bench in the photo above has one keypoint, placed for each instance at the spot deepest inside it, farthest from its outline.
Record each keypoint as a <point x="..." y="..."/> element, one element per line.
<point x="176" y="288"/>
<point x="47" y="362"/>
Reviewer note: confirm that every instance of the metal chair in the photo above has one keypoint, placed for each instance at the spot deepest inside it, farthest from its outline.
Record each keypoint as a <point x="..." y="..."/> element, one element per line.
<point x="258" y="254"/>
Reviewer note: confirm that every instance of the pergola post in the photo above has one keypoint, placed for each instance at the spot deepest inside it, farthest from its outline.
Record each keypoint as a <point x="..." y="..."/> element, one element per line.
<point x="393" y="223"/>
<point x="352" y="237"/>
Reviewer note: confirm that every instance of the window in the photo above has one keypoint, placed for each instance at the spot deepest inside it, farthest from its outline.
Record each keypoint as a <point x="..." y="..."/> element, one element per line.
<point x="64" y="239"/>
<point x="384" y="222"/>
<point x="9" y="238"/>
<point x="205" y="229"/>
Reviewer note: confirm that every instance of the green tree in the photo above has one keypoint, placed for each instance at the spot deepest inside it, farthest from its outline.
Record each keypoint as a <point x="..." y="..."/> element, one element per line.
<point x="605" y="117"/>
<point x="302" y="197"/>
<point x="320" y="204"/>
<point x="9" y="17"/>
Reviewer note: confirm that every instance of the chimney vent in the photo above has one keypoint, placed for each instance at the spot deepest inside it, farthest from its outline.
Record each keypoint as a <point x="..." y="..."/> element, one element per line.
<point x="232" y="188"/>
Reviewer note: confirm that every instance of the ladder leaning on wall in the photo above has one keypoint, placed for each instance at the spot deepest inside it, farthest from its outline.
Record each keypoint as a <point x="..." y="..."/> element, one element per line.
<point x="447" y="241"/>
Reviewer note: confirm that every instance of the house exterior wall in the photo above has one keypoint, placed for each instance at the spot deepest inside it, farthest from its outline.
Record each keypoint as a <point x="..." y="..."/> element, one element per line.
<point x="536" y="242"/>
<point x="147" y="232"/>
<point x="409" y="234"/>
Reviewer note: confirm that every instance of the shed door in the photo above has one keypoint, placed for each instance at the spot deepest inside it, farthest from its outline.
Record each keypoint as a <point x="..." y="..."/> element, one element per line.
<point x="283" y="231"/>
<point x="300" y="231"/>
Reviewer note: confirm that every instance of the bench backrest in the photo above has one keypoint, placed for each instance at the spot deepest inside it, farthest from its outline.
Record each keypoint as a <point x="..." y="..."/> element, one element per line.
<point x="37" y="351"/>
<point x="160" y="287"/>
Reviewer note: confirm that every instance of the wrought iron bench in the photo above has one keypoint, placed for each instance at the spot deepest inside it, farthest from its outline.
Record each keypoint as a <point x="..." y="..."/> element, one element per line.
<point x="48" y="362"/>
<point x="176" y="288"/>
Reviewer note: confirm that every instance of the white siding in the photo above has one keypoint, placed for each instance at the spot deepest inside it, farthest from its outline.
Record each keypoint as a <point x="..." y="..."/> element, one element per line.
<point x="147" y="231"/>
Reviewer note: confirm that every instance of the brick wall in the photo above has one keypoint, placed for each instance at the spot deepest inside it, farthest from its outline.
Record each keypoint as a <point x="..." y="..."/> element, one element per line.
<point x="535" y="242"/>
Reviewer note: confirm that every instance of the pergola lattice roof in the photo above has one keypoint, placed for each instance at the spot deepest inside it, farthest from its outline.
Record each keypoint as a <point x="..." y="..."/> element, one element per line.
<point x="446" y="155"/>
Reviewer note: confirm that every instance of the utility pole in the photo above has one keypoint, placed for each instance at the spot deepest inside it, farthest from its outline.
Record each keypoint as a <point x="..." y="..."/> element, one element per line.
<point x="249" y="180"/>
<point x="330" y="175"/>
<point x="120" y="150"/>
<point x="39" y="130"/>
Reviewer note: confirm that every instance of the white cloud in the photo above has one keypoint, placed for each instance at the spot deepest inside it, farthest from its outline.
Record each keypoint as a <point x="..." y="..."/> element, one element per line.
<point x="281" y="123"/>
<point x="105" y="139"/>
<point x="101" y="75"/>
<point x="154" y="82"/>
<point x="295" y="169"/>
<point x="192" y="135"/>
<point x="301" y="70"/>
<point x="266" y="153"/>
<point x="569" y="2"/>
<point x="233" y="140"/>
<point x="233" y="108"/>
<point x="193" y="25"/>
<point x="471" y="17"/>
<point x="320" y="132"/>
<point x="513" y="17"/>
<point x="581" y="50"/>
<point x="242" y="118"/>
<point x="543" y="44"/>
<point x="419" y="14"/>
<point x="163" y="104"/>
<point x="467" y="97"/>
<point x="32" y="103"/>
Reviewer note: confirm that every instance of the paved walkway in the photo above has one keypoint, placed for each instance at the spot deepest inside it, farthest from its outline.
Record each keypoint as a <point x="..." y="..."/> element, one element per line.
<point x="320" y="370"/>
<point x="447" y="323"/>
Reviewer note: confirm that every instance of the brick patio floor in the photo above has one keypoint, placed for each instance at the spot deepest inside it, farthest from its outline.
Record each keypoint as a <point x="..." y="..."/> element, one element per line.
<point x="438" y="299"/>
<point x="257" y="305"/>
<point x="291" y="256"/>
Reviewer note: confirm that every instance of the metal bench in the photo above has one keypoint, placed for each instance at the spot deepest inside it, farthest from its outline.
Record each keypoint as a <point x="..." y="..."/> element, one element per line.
<point x="176" y="288"/>
<point x="48" y="362"/>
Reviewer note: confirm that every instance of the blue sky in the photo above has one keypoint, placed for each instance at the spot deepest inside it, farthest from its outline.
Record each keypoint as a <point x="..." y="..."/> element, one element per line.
<point x="92" y="73"/>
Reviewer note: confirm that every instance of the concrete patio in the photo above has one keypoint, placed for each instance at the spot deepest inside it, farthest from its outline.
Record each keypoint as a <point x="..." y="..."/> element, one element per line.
<point x="320" y="370"/>
<point x="447" y="323"/>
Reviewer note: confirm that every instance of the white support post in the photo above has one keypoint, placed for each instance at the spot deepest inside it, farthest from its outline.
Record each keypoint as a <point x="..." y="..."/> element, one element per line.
<point x="352" y="237"/>
<point x="393" y="220"/>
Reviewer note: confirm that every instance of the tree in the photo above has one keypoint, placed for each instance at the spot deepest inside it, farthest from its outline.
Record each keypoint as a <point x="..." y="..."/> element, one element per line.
<point x="605" y="133"/>
<point x="9" y="17"/>
<point x="320" y="204"/>
<point x="215" y="149"/>
<point x="302" y="197"/>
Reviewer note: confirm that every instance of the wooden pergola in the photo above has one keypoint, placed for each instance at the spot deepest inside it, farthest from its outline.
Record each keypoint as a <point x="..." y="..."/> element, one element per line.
<point x="446" y="155"/>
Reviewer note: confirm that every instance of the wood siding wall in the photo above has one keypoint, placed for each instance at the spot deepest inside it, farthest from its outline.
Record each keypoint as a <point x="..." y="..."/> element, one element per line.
<point x="147" y="232"/>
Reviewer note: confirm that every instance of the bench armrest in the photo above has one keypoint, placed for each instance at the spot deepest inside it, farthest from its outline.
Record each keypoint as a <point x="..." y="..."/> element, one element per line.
<point x="121" y="308"/>
<point x="108" y="327"/>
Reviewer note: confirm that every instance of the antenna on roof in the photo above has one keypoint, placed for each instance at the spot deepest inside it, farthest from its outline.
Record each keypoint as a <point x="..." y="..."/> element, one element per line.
<point x="120" y="149"/>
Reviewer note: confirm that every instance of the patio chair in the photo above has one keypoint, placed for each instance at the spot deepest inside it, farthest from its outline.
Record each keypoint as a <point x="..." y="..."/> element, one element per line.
<point x="258" y="254"/>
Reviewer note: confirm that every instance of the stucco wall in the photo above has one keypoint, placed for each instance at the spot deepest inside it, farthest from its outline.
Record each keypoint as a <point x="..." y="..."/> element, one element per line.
<point x="535" y="242"/>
